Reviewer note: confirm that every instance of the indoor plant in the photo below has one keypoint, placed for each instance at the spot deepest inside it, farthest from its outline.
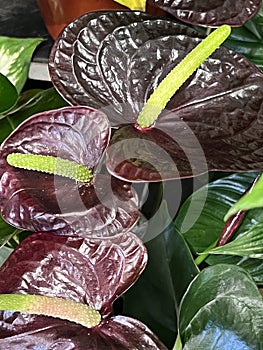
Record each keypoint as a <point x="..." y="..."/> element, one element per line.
<point x="171" y="268"/>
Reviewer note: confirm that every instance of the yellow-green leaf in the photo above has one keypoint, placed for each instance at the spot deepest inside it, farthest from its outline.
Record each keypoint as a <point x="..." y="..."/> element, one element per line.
<point x="253" y="199"/>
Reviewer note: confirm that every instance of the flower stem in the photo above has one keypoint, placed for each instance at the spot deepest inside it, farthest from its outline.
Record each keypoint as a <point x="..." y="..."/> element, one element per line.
<point x="204" y="255"/>
<point x="174" y="80"/>
<point x="51" y="306"/>
<point x="234" y="221"/>
<point x="50" y="165"/>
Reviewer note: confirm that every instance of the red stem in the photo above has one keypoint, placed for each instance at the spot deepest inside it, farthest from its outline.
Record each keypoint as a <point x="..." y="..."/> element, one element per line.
<point x="233" y="223"/>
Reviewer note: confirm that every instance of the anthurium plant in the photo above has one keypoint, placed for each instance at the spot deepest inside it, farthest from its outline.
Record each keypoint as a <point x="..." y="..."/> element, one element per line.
<point x="130" y="191"/>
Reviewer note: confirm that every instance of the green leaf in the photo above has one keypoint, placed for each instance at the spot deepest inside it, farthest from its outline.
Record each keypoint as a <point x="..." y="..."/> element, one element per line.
<point x="253" y="199"/>
<point x="216" y="198"/>
<point x="8" y="94"/>
<point x="29" y="103"/>
<point x="250" y="244"/>
<point x="36" y="101"/>
<point x="15" y="58"/>
<point x="221" y="194"/>
<point x="227" y="323"/>
<point x="155" y="297"/>
<point x="222" y="309"/>
<point x="4" y="254"/>
<point x="248" y="39"/>
<point x="6" y="232"/>
<point x="253" y="266"/>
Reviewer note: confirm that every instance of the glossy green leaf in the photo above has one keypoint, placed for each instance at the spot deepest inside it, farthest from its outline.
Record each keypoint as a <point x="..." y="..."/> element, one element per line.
<point x="248" y="39"/>
<point x="227" y="323"/>
<point x="4" y="254"/>
<point x="252" y="199"/>
<point x="8" y="94"/>
<point x="6" y="232"/>
<point x="250" y="244"/>
<point x="253" y="266"/>
<point x="15" y="58"/>
<point x="216" y="198"/>
<point x="30" y="102"/>
<point x="35" y="101"/>
<point x="222" y="309"/>
<point x="155" y="297"/>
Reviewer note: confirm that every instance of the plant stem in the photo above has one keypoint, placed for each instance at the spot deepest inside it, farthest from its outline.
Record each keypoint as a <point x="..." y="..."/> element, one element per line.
<point x="203" y="256"/>
<point x="178" y="344"/>
<point x="174" y="80"/>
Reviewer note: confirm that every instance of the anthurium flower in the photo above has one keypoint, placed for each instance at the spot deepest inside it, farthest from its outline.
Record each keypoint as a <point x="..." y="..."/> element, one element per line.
<point x="210" y="13"/>
<point x="64" y="191"/>
<point x="91" y="272"/>
<point x="114" y="61"/>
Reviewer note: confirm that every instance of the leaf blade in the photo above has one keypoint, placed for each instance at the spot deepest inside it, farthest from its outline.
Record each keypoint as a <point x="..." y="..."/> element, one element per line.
<point x="15" y="58"/>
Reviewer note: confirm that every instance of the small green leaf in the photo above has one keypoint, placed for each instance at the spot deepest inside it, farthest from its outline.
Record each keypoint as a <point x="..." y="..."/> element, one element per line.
<point x="8" y="94"/>
<point x="15" y="58"/>
<point x="253" y="199"/>
<point x="6" y="232"/>
<point x="4" y="254"/>
<point x="222" y="309"/>
<point x="250" y="244"/>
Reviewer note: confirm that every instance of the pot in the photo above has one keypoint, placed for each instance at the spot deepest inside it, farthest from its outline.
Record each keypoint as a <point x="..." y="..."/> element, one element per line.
<point x="59" y="13"/>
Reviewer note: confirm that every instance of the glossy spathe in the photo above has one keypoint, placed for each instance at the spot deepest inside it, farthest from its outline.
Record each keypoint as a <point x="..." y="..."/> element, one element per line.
<point x="38" y="201"/>
<point x="212" y="123"/>
<point x="91" y="271"/>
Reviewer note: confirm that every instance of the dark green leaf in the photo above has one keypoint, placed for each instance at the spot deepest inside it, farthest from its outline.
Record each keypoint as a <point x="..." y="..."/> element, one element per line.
<point x="217" y="305"/>
<point x="253" y="266"/>
<point x="227" y="323"/>
<point x="6" y="232"/>
<point x="29" y="103"/>
<point x="8" y="94"/>
<point x="212" y="283"/>
<point x="155" y="297"/>
<point x="4" y="254"/>
<point x="215" y="198"/>
<point x="15" y="58"/>
<point x="35" y="101"/>
<point x="248" y="39"/>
